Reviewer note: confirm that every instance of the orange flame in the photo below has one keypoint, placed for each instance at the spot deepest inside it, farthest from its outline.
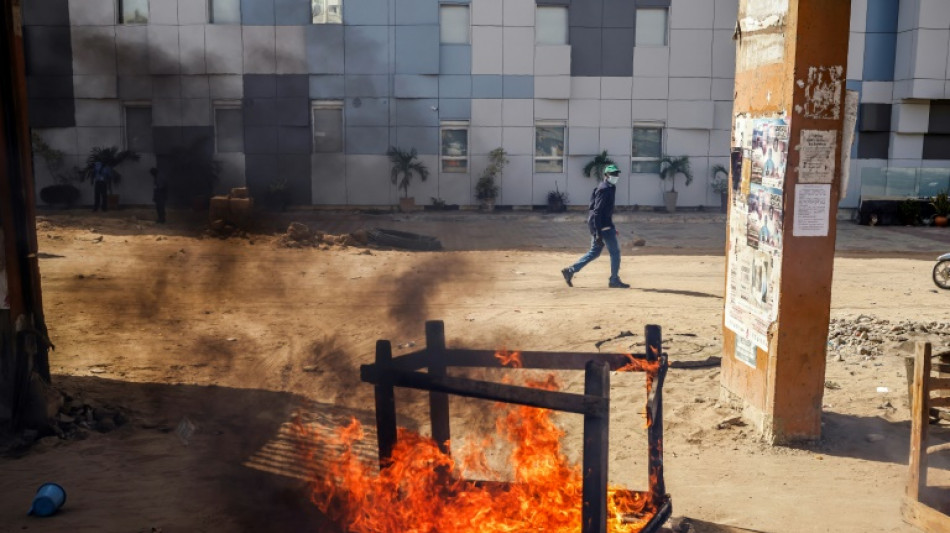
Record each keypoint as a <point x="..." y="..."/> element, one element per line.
<point x="509" y="359"/>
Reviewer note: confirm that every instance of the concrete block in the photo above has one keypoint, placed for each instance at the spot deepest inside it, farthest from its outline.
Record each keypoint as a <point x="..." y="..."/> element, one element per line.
<point x="163" y="50"/>
<point x="519" y="13"/>
<point x="612" y="88"/>
<point x="163" y="12"/>
<point x="196" y="112"/>
<point x="103" y="113"/>
<point x="648" y="110"/>
<point x="455" y="59"/>
<point x="327" y="86"/>
<point x="517" y="112"/>
<point x="418" y="49"/>
<point x="455" y="86"/>
<point x="95" y="87"/>
<point x="93" y="50"/>
<point x="424" y="139"/>
<point x="260" y="54"/>
<point x="488" y="13"/>
<point x="615" y="113"/>
<point x="584" y="113"/>
<point x="585" y="87"/>
<point x="366" y="13"/>
<point x="366" y="50"/>
<point x="651" y="88"/>
<point x="557" y="87"/>
<point x="684" y="61"/>
<point x="455" y="108"/>
<point x="486" y="112"/>
<point x="92" y="12"/>
<point x="291" y="50"/>
<point x="416" y="111"/>
<point x="166" y="112"/>
<point x="293" y="12"/>
<point x="191" y="12"/>
<point x="487" y="57"/>
<point x="552" y="60"/>
<point x="415" y="86"/>
<point x="374" y="85"/>
<point x="192" y="43"/>
<point x="550" y="109"/>
<point x="487" y="86"/>
<point x="224" y="49"/>
<point x="367" y="140"/>
<point x="690" y="88"/>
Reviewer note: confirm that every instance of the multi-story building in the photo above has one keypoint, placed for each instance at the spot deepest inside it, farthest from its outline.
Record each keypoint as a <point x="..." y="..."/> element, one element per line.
<point x="313" y="92"/>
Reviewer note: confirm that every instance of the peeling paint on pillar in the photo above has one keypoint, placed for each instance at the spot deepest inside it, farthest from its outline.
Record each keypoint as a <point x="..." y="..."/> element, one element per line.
<point x="789" y="62"/>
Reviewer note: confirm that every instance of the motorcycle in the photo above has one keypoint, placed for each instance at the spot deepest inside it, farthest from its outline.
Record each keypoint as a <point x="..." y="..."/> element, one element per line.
<point x="942" y="272"/>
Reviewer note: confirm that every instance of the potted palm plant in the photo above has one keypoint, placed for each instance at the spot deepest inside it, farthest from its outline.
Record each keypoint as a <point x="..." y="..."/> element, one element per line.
<point x="108" y="158"/>
<point x="486" y="190"/>
<point x="595" y="167"/>
<point x="941" y="205"/>
<point x="720" y="184"/>
<point x="670" y="167"/>
<point x="405" y="166"/>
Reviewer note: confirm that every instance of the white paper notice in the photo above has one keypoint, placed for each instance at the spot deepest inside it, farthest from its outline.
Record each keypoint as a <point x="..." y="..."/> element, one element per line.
<point x="817" y="156"/>
<point x="812" y="206"/>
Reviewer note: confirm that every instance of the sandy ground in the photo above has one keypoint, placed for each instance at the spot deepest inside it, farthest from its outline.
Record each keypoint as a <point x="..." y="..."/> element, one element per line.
<point x="236" y="336"/>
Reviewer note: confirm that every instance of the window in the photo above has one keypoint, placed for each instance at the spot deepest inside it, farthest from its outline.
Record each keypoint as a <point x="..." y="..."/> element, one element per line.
<point x="874" y="131"/>
<point x="138" y="128"/>
<point x="647" y="148"/>
<point x="133" y="11"/>
<point x="327" y="11"/>
<point x="453" y="24"/>
<point x="549" y="147"/>
<point x="228" y="127"/>
<point x="327" y="126"/>
<point x="651" y="27"/>
<point x="551" y="25"/>
<point x="225" y="11"/>
<point x="455" y="147"/>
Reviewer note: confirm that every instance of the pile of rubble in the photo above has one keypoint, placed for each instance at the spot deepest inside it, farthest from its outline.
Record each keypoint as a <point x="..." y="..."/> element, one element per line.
<point x="301" y="236"/>
<point x="868" y="337"/>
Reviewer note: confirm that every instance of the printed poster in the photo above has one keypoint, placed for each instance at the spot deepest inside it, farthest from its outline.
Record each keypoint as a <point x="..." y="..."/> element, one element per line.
<point x="756" y="224"/>
<point x="812" y="210"/>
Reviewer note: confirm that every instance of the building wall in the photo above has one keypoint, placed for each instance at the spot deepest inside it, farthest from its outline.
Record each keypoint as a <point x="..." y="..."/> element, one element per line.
<point x="396" y="84"/>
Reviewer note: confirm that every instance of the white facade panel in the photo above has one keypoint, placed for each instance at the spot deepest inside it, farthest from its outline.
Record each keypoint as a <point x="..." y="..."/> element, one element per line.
<point x="906" y="51"/>
<point x="94" y="87"/>
<point x="163" y="12"/>
<point x="487" y="12"/>
<point x="856" y="56"/>
<point x="363" y="183"/>
<point x="550" y="109"/>
<point x="516" y="182"/>
<point x="131" y="49"/>
<point x="226" y="87"/>
<point x="615" y="113"/>
<point x="166" y="112"/>
<point x="859" y="15"/>
<point x="927" y="89"/>
<point x="692" y="14"/>
<point x="723" y="54"/>
<point x="93" y="50"/>
<point x="92" y="137"/>
<point x="584" y="141"/>
<point x="518" y="50"/>
<point x="935" y="14"/>
<point x="519" y="12"/>
<point x="552" y="60"/>
<point x="585" y="87"/>
<point x="196" y="112"/>
<point x="877" y="92"/>
<point x="723" y="89"/>
<point x="584" y="113"/>
<point x="720" y="142"/>
<point x="224" y="49"/>
<point x="686" y="57"/>
<point x="192" y="43"/>
<point x="484" y="139"/>
<point x="487" y="50"/>
<point x="517" y="112"/>
<point x="648" y="110"/>
<point x="518" y="141"/>
<point x="931" y="54"/>
<point x="696" y="114"/>
<point x="906" y="146"/>
<point x="552" y="87"/>
<point x="616" y="88"/>
<point x="694" y="143"/>
<point x="486" y="112"/>
<point x="910" y="117"/>
<point x="195" y="87"/>
<point x="92" y="13"/>
<point x="62" y="139"/>
<point x="617" y="141"/>
<point x="722" y="116"/>
<point x="163" y="51"/>
<point x="194" y="12"/>
<point x="651" y="61"/>
<point x="726" y="14"/>
<point x="106" y="113"/>
<point x="651" y="88"/>
<point x="690" y="88"/>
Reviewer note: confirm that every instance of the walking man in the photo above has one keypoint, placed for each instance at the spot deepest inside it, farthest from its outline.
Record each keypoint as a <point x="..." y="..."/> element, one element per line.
<point x="602" y="230"/>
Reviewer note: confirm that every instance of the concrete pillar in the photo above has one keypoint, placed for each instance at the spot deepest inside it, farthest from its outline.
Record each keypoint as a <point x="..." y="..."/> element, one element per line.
<point x="789" y="110"/>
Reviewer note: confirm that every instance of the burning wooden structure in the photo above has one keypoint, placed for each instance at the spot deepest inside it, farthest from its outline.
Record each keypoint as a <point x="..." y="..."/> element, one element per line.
<point x="917" y="509"/>
<point x="406" y="371"/>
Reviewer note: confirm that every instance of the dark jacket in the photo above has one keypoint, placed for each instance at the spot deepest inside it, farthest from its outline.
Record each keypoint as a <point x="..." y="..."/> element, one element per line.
<point x="601" y="209"/>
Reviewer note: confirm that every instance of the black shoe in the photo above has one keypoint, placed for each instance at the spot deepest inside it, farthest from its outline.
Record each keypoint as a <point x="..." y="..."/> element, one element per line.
<point x="617" y="284"/>
<point x="568" y="274"/>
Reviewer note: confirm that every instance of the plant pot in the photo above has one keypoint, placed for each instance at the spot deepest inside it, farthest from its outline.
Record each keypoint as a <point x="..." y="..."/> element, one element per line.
<point x="940" y="221"/>
<point x="487" y="205"/>
<point x="723" y="202"/>
<point x="669" y="199"/>
<point x="112" y="200"/>
<point x="407" y="204"/>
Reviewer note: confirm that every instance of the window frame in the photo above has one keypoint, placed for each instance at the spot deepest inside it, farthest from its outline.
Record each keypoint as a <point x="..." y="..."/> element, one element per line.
<point x="666" y="28"/>
<point x="326" y="11"/>
<point x="536" y="158"/>
<point x="567" y="28"/>
<point x="209" y="6"/>
<point x="635" y="161"/>
<point x="120" y="12"/>
<point x="137" y="104"/>
<point x="336" y="105"/>
<point x="455" y="125"/>
<point x="230" y="105"/>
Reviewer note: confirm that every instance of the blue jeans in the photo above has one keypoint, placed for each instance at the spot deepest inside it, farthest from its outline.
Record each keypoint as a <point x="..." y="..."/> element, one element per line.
<point x="610" y="240"/>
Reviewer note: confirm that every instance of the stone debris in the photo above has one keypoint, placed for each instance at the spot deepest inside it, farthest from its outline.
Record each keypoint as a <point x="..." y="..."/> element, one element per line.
<point x="302" y="236"/>
<point x="865" y="337"/>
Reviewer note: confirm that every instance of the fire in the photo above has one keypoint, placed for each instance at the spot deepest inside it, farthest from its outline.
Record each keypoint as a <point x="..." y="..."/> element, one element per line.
<point x="422" y="490"/>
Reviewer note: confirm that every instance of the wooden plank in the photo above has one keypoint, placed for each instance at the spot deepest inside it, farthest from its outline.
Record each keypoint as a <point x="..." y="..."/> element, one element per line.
<point x="385" y="405"/>
<point x="486" y="359"/>
<point x="924" y="517"/>
<point x="654" y="348"/>
<point x="438" y="401"/>
<point x="937" y="448"/>
<point x="939" y="402"/>
<point x="596" y="451"/>
<point x="918" y="421"/>
<point x="939" y="384"/>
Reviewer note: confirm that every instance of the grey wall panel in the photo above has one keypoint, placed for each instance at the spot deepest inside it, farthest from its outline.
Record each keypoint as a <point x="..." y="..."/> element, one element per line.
<point x="455" y="109"/>
<point x="367" y="85"/>
<point x="257" y="12"/>
<point x="195" y="87"/>
<point x="586" y="13"/>
<point x="292" y="12"/>
<point x="295" y="168"/>
<point x="415" y="86"/>
<point x="45" y="13"/>
<point x="424" y="140"/>
<point x="49" y="87"/>
<point x="455" y="59"/>
<point x="487" y="86"/>
<point x="417" y="49"/>
<point x="366" y="13"/>
<point x="586" y="51"/>
<point x="228" y="86"/>
<point x="166" y="138"/>
<point x="52" y="112"/>
<point x="224" y="53"/>
<point x="411" y="12"/>
<point x="163" y="12"/>
<point x="327" y="86"/>
<point x="293" y="86"/>
<point x="367" y="112"/>
<point x="329" y="179"/>
<point x="416" y="111"/>
<point x="260" y="112"/>
<point x="518" y="86"/>
<point x="366" y="50"/>
<point x="455" y="86"/>
<point x="260" y="86"/>
<point x="619" y="14"/>
<point x="365" y="140"/>
<point x="617" y="52"/>
<point x="293" y="111"/>
<point x="260" y="171"/>
<point x="48" y="50"/>
<point x="166" y="86"/>
<point x="294" y="140"/>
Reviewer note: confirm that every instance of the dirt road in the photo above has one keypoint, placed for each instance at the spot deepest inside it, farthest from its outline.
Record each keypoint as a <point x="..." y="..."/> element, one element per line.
<point x="210" y="346"/>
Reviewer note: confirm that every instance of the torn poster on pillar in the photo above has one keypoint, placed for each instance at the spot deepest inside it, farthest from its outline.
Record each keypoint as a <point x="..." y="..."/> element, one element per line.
<point x="756" y="223"/>
<point x="816" y="156"/>
<point x="760" y="33"/>
<point x="822" y="92"/>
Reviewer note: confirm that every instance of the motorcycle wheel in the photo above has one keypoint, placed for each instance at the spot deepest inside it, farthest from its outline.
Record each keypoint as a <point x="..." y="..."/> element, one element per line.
<point x="941" y="274"/>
